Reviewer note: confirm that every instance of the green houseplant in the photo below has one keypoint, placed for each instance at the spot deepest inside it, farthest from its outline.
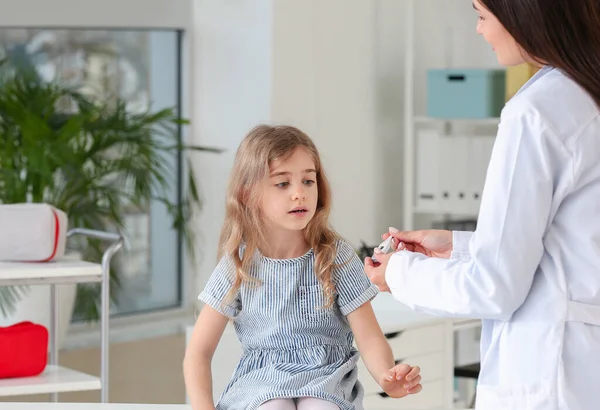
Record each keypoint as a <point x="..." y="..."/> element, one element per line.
<point x="92" y="160"/>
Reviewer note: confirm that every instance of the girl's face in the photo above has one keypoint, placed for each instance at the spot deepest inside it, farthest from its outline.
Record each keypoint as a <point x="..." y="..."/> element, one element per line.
<point x="289" y="196"/>
<point x="508" y="52"/>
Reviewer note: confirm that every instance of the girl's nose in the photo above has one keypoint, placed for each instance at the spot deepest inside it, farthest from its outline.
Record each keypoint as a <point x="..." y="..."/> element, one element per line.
<point x="299" y="194"/>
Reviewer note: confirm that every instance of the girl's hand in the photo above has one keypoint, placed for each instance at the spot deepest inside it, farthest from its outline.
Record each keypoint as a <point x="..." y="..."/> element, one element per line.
<point x="401" y="380"/>
<point x="376" y="271"/>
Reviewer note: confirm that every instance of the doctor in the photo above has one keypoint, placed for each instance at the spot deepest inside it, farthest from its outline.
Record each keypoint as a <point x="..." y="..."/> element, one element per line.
<point x="531" y="270"/>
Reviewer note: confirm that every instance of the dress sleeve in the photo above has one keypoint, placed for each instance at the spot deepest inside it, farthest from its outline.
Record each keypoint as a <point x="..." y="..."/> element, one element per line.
<point x="353" y="287"/>
<point x="217" y="288"/>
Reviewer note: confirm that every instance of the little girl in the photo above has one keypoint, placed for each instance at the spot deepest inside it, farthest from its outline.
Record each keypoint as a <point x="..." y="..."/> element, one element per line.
<point x="295" y="291"/>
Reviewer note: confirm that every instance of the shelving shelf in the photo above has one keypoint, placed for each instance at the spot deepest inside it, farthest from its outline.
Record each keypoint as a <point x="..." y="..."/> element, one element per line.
<point x="56" y="379"/>
<point x="45" y="273"/>
<point x="414" y="121"/>
<point x="475" y="121"/>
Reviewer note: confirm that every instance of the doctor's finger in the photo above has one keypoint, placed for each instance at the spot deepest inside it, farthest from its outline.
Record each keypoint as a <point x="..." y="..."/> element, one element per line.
<point x="399" y="245"/>
<point x="408" y="237"/>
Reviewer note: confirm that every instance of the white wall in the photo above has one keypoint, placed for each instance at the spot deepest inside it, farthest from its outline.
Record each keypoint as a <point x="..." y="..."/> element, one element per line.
<point x="446" y="38"/>
<point x="388" y="85"/>
<point x="334" y="68"/>
<point x="284" y="62"/>
<point x="99" y="14"/>
<point x="323" y="71"/>
<point x="232" y="90"/>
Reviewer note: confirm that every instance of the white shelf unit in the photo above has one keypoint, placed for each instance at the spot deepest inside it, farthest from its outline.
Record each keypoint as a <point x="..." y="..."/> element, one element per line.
<point x="475" y="121"/>
<point x="412" y="121"/>
<point x="56" y="379"/>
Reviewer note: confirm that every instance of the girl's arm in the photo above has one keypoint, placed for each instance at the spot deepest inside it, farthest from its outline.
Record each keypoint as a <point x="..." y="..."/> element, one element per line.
<point x="198" y="356"/>
<point x="377" y="355"/>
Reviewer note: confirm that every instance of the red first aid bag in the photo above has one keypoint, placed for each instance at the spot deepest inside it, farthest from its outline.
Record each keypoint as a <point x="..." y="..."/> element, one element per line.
<point x="23" y="350"/>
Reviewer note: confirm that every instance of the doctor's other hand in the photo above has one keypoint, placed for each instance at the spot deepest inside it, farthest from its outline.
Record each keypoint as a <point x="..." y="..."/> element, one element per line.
<point x="376" y="270"/>
<point x="431" y="242"/>
<point x="401" y="380"/>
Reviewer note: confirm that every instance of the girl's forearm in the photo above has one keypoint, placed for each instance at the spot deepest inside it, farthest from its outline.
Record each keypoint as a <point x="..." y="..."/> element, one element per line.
<point x="198" y="382"/>
<point x="378" y="358"/>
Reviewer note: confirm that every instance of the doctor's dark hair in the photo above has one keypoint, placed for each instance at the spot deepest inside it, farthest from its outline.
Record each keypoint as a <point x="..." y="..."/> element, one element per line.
<point x="561" y="33"/>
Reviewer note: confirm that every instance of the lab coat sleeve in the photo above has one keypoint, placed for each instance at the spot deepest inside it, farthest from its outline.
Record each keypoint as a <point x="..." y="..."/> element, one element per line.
<point x="491" y="278"/>
<point x="460" y="245"/>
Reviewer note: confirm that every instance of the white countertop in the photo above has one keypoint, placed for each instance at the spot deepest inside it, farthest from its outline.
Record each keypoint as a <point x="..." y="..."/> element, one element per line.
<point x="393" y="315"/>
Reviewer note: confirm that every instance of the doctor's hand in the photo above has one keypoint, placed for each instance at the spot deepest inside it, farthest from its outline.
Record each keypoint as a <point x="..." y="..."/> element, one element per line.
<point x="376" y="271"/>
<point x="431" y="242"/>
<point x="401" y="380"/>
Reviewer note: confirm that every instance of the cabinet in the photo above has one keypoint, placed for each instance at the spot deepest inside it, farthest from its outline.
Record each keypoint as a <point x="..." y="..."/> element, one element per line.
<point x="420" y="346"/>
<point x="56" y="379"/>
<point x="419" y="340"/>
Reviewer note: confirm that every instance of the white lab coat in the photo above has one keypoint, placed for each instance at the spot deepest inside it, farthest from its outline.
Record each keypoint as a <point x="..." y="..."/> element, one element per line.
<point x="531" y="270"/>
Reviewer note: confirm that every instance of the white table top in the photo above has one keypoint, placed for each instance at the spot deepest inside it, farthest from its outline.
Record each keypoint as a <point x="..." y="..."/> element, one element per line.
<point x="91" y="406"/>
<point x="96" y="406"/>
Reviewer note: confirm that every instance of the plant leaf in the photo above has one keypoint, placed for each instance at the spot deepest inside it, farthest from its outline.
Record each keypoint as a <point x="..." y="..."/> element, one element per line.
<point x="93" y="159"/>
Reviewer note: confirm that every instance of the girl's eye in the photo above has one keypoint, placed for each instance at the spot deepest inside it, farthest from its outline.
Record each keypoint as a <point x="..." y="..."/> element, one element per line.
<point x="309" y="182"/>
<point x="282" y="184"/>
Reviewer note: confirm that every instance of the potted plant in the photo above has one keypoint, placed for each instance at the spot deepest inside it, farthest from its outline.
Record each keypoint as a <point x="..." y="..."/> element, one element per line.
<point x="94" y="160"/>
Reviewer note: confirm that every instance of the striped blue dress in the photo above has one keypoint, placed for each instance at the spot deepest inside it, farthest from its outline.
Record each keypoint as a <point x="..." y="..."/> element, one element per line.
<point x="292" y="345"/>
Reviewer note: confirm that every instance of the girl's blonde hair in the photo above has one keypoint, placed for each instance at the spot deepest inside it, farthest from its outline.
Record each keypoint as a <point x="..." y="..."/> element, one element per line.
<point x="243" y="221"/>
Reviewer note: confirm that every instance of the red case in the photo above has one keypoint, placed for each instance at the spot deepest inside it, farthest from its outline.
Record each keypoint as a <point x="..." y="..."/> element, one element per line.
<point x="23" y="350"/>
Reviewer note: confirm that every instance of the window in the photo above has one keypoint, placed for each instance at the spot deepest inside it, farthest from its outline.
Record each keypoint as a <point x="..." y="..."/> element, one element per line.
<point x="143" y="67"/>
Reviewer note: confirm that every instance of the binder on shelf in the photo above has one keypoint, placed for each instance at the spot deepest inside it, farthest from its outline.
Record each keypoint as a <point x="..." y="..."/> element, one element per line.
<point x="427" y="170"/>
<point x="445" y="177"/>
<point x="451" y="171"/>
<point x="459" y="188"/>
<point x="479" y="151"/>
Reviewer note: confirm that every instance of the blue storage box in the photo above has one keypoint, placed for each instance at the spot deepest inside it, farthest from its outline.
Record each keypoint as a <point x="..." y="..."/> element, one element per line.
<point x="468" y="93"/>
